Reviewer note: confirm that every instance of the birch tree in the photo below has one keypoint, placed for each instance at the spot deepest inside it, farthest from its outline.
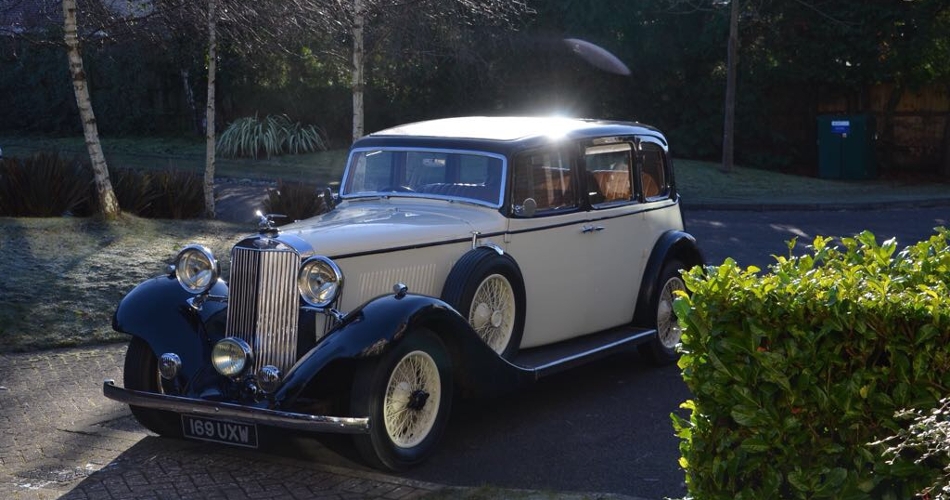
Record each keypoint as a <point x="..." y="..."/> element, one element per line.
<point x="108" y="203"/>
<point x="210" y="109"/>
<point x="252" y="27"/>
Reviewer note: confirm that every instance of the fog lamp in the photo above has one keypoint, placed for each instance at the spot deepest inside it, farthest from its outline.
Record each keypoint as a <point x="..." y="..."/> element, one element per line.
<point x="230" y="356"/>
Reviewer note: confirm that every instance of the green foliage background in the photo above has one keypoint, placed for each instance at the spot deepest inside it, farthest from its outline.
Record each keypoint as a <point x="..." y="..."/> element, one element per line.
<point x="795" y="372"/>
<point x="793" y="55"/>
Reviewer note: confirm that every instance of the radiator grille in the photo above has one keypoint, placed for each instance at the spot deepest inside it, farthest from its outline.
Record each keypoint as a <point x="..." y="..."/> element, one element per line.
<point x="263" y="304"/>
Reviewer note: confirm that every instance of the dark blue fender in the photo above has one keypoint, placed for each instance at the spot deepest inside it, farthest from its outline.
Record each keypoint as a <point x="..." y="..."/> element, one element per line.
<point x="157" y="312"/>
<point x="383" y="322"/>
<point x="678" y="245"/>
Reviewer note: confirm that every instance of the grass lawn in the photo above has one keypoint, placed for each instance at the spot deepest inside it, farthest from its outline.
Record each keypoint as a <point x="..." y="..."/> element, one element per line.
<point x="702" y="182"/>
<point x="188" y="155"/>
<point x="64" y="276"/>
<point x="698" y="181"/>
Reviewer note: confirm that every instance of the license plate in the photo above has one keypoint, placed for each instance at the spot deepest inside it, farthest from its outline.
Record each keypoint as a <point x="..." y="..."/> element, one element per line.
<point x="219" y="431"/>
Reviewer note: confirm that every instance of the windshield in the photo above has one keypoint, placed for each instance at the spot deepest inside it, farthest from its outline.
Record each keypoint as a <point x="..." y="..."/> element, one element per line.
<point x="460" y="175"/>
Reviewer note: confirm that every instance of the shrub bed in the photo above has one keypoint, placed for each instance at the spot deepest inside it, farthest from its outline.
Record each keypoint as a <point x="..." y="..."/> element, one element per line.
<point x="165" y="194"/>
<point x="44" y="185"/>
<point x="797" y="371"/>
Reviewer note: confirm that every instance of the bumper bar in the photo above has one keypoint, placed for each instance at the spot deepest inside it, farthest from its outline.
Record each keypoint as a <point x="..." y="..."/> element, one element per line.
<point x="263" y="416"/>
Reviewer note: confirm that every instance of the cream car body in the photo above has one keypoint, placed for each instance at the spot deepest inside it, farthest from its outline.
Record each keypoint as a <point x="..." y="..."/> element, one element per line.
<point x="480" y="253"/>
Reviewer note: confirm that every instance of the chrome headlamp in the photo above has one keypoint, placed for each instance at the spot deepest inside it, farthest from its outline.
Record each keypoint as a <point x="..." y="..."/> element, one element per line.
<point x="319" y="281"/>
<point x="230" y="356"/>
<point x="196" y="269"/>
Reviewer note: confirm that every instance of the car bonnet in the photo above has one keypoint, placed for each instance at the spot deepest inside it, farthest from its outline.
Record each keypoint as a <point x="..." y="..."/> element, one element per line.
<point x="363" y="226"/>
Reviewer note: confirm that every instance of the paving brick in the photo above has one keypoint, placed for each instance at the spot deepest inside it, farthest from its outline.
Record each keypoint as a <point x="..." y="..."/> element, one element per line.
<point x="60" y="438"/>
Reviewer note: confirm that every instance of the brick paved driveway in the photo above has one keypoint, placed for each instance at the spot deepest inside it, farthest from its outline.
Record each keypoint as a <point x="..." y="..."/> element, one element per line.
<point x="60" y="438"/>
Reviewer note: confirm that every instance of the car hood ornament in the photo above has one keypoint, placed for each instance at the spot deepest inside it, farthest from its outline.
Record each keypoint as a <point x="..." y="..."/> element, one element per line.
<point x="265" y="222"/>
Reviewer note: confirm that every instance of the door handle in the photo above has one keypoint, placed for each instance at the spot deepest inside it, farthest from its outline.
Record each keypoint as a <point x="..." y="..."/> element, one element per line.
<point x="591" y="229"/>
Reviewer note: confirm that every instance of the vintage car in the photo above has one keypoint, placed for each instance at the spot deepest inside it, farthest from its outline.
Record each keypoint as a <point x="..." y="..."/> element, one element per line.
<point x="463" y="255"/>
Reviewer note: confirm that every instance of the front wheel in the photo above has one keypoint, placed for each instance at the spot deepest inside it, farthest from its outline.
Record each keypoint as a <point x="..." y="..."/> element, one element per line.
<point x="662" y="349"/>
<point x="141" y="374"/>
<point x="407" y="393"/>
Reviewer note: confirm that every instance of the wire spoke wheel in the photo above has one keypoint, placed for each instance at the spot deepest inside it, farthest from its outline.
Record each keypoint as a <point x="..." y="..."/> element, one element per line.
<point x="668" y="327"/>
<point x="493" y="311"/>
<point x="407" y="394"/>
<point x="411" y="403"/>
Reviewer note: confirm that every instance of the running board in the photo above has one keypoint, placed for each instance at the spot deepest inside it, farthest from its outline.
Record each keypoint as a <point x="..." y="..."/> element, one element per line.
<point x="550" y="359"/>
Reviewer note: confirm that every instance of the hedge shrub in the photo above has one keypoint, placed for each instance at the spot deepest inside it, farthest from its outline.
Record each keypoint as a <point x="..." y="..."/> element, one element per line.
<point x="796" y="372"/>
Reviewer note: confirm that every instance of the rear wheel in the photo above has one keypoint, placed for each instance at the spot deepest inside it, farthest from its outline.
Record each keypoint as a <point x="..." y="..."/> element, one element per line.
<point x="141" y="374"/>
<point x="407" y="394"/>
<point x="662" y="348"/>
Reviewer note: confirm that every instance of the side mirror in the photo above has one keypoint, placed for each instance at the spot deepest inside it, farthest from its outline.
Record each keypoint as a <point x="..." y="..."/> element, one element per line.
<point x="527" y="208"/>
<point x="329" y="199"/>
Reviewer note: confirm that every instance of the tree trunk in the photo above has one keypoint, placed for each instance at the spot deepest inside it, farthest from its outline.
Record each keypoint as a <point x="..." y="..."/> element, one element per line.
<point x="729" y="122"/>
<point x="108" y="203"/>
<point x="190" y="99"/>
<point x="209" y="110"/>
<point x="359" y="18"/>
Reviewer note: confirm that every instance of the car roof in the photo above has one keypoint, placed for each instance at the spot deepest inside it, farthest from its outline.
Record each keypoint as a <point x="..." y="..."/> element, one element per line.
<point x="501" y="134"/>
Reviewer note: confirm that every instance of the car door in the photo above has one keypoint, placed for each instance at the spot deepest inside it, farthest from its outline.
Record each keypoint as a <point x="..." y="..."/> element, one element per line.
<point x="619" y="240"/>
<point x="546" y="237"/>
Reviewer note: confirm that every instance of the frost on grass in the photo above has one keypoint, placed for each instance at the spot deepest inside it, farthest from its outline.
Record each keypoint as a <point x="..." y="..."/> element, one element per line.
<point x="63" y="277"/>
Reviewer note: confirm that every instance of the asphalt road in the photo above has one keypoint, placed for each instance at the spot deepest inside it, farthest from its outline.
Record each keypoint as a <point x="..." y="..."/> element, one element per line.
<point x="752" y="238"/>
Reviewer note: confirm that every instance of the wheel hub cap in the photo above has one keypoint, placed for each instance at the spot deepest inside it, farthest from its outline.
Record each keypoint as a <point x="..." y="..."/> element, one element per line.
<point x="483" y="315"/>
<point x="417" y="400"/>
<point x="496" y="318"/>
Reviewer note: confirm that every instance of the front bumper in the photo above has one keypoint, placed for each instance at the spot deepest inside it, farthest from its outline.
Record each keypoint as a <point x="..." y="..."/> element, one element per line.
<point x="240" y="413"/>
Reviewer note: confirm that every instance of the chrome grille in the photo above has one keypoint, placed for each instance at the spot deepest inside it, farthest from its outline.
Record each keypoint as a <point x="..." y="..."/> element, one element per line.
<point x="263" y="304"/>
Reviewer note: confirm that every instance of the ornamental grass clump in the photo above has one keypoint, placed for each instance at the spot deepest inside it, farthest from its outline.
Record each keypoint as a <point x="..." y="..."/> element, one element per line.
<point x="274" y="135"/>
<point x="44" y="185"/>
<point x="797" y="373"/>
<point x="161" y="194"/>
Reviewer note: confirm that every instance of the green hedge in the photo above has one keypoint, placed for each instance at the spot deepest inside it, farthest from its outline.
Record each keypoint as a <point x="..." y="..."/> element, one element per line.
<point x="795" y="372"/>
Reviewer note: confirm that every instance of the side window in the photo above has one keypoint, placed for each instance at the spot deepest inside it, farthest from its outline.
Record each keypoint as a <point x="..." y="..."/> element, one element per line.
<point x="608" y="173"/>
<point x="544" y="176"/>
<point x="653" y="177"/>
